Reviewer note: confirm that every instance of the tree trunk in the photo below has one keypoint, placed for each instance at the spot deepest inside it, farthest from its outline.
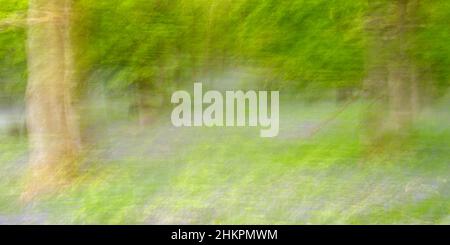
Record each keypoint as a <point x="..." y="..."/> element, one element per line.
<point x="51" y="116"/>
<point x="375" y="83"/>
<point x="392" y="85"/>
<point x="400" y="73"/>
<point x="417" y="73"/>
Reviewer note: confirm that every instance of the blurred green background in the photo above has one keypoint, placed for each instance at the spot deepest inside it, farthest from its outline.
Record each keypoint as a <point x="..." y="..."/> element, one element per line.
<point x="364" y="113"/>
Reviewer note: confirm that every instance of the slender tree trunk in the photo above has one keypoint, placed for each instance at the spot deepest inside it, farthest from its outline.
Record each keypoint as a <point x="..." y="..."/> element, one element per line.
<point x="144" y="106"/>
<point x="399" y="73"/>
<point x="375" y="83"/>
<point x="417" y="73"/>
<point x="51" y="116"/>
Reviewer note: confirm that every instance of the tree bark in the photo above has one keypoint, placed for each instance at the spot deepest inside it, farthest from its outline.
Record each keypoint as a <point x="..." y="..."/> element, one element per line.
<point x="375" y="83"/>
<point x="51" y="115"/>
<point x="399" y="80"/>
<point x="393" y="81"/>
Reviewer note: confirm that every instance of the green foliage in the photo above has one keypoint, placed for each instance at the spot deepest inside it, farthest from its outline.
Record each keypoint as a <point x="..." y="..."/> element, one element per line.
<point x="430" y="44"/>
<point x="161" y="44"/>
<point x="12" y="48"/>
<point x="309" y="43"/>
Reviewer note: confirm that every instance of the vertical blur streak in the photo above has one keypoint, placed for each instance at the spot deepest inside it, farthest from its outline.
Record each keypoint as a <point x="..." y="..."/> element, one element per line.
<point x="51" y="117"/>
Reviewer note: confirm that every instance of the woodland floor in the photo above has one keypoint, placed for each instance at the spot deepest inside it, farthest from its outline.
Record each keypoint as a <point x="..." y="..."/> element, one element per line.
<point x="165" y="175"/>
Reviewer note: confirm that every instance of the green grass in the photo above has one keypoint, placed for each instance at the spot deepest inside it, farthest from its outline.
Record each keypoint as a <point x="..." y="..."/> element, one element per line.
<point x="231" y="176"/>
